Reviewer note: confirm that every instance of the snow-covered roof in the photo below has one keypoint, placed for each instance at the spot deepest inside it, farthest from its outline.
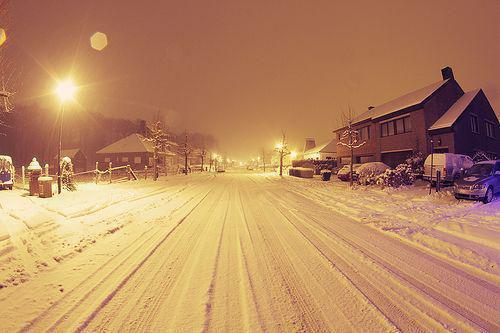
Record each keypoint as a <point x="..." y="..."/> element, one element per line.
<point x="408" y="100"/>
<point x="450" y="117"/>
<point x="69" y="152"/>
<point x="134" y="143"/>
<point x="328" y="147"/>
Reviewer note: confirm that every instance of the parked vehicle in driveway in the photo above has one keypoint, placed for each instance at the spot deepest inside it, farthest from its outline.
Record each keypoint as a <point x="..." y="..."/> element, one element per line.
<point x="480" y="182"/>
<point x="450" y="166"/>
<point x="344" y="173"/>
<point x="7" y="172"/>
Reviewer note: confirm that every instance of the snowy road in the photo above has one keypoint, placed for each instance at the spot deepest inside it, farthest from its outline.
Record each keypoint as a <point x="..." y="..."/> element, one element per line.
<point x="245" y="252"/>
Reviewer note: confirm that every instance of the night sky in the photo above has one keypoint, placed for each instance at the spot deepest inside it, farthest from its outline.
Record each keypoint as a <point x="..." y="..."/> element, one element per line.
<point x="245" y="70"/>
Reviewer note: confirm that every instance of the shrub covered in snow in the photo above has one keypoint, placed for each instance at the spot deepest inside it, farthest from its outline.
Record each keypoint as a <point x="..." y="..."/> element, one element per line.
<point x="368" y="172"/>
<point x="402" y="175"/>
<point x="416" y="162"/>
<point x="67" y="174"/>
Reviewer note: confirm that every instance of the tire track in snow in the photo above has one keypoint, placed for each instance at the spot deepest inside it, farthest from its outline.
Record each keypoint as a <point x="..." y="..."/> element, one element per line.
<point x="72" y="296"/>
<point x="136" y="268"/>
<point x="425" y="289"/>
<point x="139" y="317"/>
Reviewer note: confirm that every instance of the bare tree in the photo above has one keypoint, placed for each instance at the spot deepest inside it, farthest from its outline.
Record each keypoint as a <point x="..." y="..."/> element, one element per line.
<point x="350" y="139"/>
<point x="185" y="150"/>
<point x="159" y="138"/>
<point x="203" y="153"/>
<point x="264" y="159"/>
<point x="282" y="149"/>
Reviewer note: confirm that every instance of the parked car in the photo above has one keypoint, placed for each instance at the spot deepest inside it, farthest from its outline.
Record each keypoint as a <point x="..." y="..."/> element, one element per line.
<point x="450" y="165"/>
<point x="7" y="172"/>
<point x="480" y="182"/>
<point x="345" y="172"/>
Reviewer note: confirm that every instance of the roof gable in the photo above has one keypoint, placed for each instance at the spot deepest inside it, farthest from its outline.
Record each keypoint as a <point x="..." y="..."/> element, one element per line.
<point x="134" y="143"/>
<point x="328" y="147"/>
<point x="408" y="100"/>
<point x="455" y="111"/>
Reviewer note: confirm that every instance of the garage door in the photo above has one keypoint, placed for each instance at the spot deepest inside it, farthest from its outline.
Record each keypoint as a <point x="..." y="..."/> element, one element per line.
<point x="392" y="159"/>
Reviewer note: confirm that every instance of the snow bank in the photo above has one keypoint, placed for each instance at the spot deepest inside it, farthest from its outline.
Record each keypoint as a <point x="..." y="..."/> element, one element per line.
<point x="465" y="231"/>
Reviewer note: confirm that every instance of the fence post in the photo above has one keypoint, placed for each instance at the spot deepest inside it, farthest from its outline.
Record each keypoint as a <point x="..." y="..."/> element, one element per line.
<point x="23" y="174"/>
<point x="46" y="169"/>
<point x="145" y="172"/>
<point x="96" y="172"/>
<point x="110" y="171"/>
<point x="438" y="180"/>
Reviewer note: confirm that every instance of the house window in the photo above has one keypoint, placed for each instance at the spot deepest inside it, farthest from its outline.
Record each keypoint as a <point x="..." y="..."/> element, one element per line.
<point x="137" y="160"/>
<point x="490" y="129"/>
<point x="107" y="159"/>
<point x="364" y="133"/>
<point x="397" y="126"/>
<point x="407" y="124"/>
<point x="384" y="129"/>
<point x="473" y="124"/>
<point x="400" y="127"/>
<point x="125" y="159"/>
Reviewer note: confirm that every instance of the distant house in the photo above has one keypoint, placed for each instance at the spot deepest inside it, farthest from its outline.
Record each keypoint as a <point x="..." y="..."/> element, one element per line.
<point x="325" y="151"/>
<point x="78" y="158"/>
<point x="455" y="121"/>
<point x="135" y="151"/>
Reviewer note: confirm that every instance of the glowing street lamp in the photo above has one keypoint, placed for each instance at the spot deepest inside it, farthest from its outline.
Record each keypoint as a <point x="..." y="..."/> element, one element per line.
<point x="65" y="90"/>
<point x="293" y="155"/>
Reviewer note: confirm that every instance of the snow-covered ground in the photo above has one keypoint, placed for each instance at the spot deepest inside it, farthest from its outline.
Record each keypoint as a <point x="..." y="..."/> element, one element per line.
<point x="248" y="252"/>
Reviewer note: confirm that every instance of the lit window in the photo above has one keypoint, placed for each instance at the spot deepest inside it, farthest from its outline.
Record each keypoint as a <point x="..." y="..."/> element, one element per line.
<point x="473" y="124"/>
<point x="137" y="160"/>
<point x="107" y="159"/>
<point x="125" y="159"/>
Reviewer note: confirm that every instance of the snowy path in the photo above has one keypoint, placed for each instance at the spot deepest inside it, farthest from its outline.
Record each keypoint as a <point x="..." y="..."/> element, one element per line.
<point x="240" y="252"/>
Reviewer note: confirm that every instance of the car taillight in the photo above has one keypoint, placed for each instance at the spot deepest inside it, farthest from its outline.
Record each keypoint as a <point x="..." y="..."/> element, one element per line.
<point x="444" y="171"/>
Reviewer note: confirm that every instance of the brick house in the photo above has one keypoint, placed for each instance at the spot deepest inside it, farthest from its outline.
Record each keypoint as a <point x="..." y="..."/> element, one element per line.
<point x="135" y="151"/>
<point x="457" y="122"/>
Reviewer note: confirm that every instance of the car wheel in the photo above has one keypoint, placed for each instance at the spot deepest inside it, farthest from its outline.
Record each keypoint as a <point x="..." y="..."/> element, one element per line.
<point x="489" y="195"/>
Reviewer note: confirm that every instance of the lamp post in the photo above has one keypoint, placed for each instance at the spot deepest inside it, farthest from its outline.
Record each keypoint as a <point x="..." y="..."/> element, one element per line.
<point x="65" y="90"/>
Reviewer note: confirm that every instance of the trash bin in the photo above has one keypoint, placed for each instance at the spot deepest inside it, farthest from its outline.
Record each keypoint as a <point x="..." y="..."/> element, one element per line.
<point x="34" y="171"/>
<point x="326" y="174"/>
<point x="45" y="187"/>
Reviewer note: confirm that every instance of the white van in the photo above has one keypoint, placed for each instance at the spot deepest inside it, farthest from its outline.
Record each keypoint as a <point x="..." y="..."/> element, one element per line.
<point x="450" y="165"/>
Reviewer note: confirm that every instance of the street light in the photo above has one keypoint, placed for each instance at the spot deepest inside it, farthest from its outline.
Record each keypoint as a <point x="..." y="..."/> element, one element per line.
<point x="65" y="90"/>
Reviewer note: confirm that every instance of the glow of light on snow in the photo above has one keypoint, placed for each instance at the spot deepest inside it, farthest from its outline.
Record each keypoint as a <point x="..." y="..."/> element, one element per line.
<point x="3" y="36"/>
<point x="65" y="90"/>
<point x="99" y="41"/>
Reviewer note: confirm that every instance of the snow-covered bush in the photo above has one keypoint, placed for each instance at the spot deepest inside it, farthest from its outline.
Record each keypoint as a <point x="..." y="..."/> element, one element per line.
<point x="67" y="174"/>
<point x="416" y="162"/>
<point x="402" y="175"/>
<point x="368" y="172"/>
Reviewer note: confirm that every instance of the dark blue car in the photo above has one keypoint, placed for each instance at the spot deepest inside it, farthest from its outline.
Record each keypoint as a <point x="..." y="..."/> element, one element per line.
<point x="6" y="172"/>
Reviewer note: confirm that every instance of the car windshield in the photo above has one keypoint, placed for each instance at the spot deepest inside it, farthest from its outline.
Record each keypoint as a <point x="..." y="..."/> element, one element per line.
<point x="480" y="170"/>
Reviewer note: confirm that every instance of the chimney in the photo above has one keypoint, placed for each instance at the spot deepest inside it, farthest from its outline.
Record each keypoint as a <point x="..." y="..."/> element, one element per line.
<point x="371" y="107"/>
<point x="141" y="128"/>
<point x="310" y="144"/>
<point x="447" y="73"/>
